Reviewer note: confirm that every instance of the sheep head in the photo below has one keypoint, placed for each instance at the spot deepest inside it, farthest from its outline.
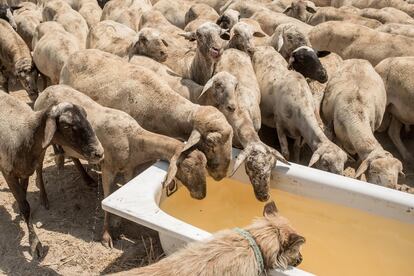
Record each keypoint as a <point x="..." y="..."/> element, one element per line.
<point x="27" y="73"/>
<point x="381" y="168"/>
<point x="241" y="37"/>
<point x="150" y="43"/>
<point x="211" y="40"/>
<point x="259" y="159"/>
<point x="329" y="157"/>
<point x="66" y="124"/>
<point x="213" y="135"/>
<point x="228" y="19"/>
<point x="300" y="9"/>
<point x="7" y="14"/>
<point x="220" y="92"/>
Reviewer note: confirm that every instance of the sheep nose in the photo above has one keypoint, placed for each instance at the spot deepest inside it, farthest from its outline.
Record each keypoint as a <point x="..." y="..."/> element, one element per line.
<point x="231" y="108"/>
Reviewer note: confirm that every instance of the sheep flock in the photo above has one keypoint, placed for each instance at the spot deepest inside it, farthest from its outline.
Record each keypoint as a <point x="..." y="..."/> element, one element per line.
<point x="122" y="84"/>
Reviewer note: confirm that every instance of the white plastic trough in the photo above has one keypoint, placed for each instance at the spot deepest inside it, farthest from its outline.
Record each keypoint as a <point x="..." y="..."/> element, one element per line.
<point x="139" y="201"/>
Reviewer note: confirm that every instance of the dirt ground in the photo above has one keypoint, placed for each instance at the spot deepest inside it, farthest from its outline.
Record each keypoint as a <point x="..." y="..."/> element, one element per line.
<point x="71" y="229"/>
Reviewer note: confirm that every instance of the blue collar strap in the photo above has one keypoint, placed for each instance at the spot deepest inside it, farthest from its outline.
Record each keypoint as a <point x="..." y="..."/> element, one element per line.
<point x="257" y="253"/>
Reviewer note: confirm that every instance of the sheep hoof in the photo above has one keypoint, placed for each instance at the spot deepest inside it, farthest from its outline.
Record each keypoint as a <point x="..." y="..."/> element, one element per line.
<point x="107" y="240"/>
<point x="36" y="249"/>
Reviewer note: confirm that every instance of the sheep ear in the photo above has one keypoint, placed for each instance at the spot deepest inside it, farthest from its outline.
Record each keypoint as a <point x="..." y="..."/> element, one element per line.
<point x="287" y="10"/>
<point x="172" y="170"/>
<point x="322" y="53"/>
<point x="279" y="157"/>
<point x="280" y="42"/>
<point x="258" y="34"/>
<point x="290" y="62"/>
<point x="191" y="36"/>
<point x="193" y="140"/>
<point x="207" y="86"/>
<point x="362" y="168"/>
<point x="50" y="130"/>
<point x="270" y="209"/>
<point x="315" y="158"/>
<point x="240" y="159"/>
<point x="310" y="9"/>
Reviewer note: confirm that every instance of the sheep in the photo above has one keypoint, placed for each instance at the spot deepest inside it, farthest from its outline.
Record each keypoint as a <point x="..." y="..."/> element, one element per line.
<point x="228" y="19"/>
<point x="16" y="60"/>
<point x="173" y="11"/>
<point x="287" y="105"/>
<point x="199" y="65"/>
<point x="6" y="13"/>
<point x="52" y="51"/>
<point x="71" y="20"/>
<point x="245" y="8"/>
<point x="220" y="92"/>
<point x="296" y="48"/>
<point x="115" y="83"/>
<point x="229" y="252"/>
<point x="354" y="104"/>
<point x="269" y="20"/>
<point x="25" y="135"/>
<point x="387" y="15"/>
<point x="120" y="40"/>
<point x="354" y="41"/>
<point x="27" y="18"/>
<point x="397" y="76"/>
<point x="239" y="64"/>
<point x="397" y="29"/>
<point x="44" y="28"/>
<point x="127" y="146"/>
<point x="127" y="12"/>
<point x="197" y="15"/>
<point x="242" y="37"/>
<point x="376" y="4"/>
<point x="301" y="10"/>
<point x="90" y="11"/>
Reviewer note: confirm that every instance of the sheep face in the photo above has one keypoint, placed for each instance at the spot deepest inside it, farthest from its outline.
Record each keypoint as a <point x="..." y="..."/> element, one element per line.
<point x="27" y="74"/>
<point x="191" y="172"/>
<point x="6" y="14"/>
<point x="301" y="10"/>
<point x="220" y="92"/>
<point x="242" y="37"/>
<point x="381" y="168"/>
<point x="211" y="40"/>
<point x="306" y="61"/>
<point x="329" y="157"/>
<point x="68" y="126"/>
<point x="228" y="19"/>
<point x="213" y="136"/>
<point x="151" y="44"/>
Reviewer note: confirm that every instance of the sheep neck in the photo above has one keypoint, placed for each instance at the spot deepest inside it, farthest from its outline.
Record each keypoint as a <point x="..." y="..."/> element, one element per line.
<point x="202" y="68"/>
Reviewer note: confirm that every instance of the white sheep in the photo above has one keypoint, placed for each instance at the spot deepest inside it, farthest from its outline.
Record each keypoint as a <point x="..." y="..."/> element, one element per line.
<point x="44" y="28"/>
<point x="71" y="20"/>
<point x="397" y="74"/>
<point x="174" y="11"/>
<point x="354" y="41"/>
<point x="90" y="10"/>
<point x="197" y="15"/>
<point x="26" y="134"/>
<point x="354" y="104"/>
<point x="120" y="40"/>
<point x="376" y="4"/>
<point x="52" y="51"/>
<point x="287" y="105"/>
<point x="397" y="29"/>
<point x="27" y="18"/>
<point x="128" y="146"/>
<point x="113" y="82"/>
<point x="16" y="60"/>
<point x="387" y="15"/>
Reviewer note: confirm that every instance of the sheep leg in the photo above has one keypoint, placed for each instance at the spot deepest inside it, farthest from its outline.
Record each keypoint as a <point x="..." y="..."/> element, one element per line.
<point x="284" y="146"/>
<point x="108" y="179"/>
<point x="19" y="190"/>
<point x="59" y="156"/>
<point x="44" y="201"/>
<point x="86" y="177"/>
<point x="297" y="145"/>
<point x="4" y="82"/>
<point x="394" y="133"/>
